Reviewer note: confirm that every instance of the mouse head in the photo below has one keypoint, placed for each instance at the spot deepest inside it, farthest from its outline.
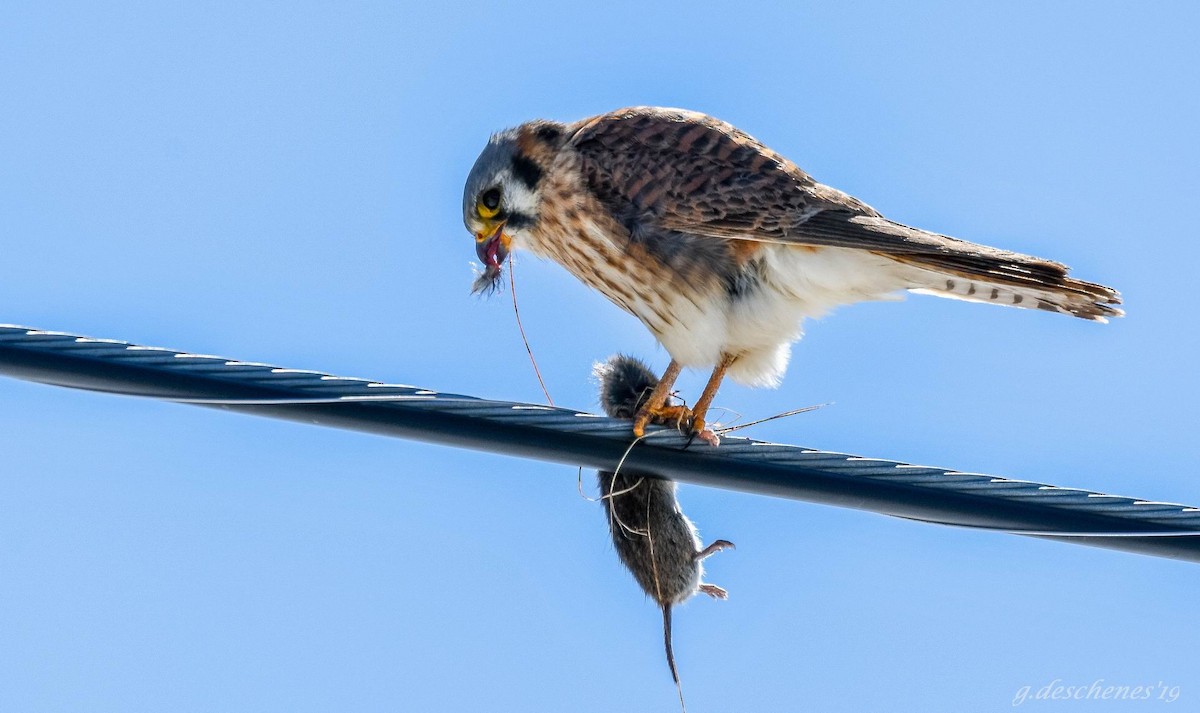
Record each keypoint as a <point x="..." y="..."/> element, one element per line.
<point x="625" y="382"/>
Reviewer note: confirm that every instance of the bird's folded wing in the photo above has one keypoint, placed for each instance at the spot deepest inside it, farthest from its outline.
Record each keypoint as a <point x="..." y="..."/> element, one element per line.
<point x="919" y="248"/>
<point x="660" y="169"/>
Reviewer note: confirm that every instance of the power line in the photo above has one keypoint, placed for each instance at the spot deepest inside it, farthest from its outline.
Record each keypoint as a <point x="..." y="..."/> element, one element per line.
<point x="924" y="493"/>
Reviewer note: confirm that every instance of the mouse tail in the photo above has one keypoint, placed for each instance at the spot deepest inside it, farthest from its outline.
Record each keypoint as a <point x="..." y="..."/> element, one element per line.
<point x="666" y="609"/>
<point x="667" y="641"/>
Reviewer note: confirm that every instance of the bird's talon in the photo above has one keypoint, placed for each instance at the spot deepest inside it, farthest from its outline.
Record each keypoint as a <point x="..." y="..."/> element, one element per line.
<point x="678" y="416"/>
<point x="704" y="433"/>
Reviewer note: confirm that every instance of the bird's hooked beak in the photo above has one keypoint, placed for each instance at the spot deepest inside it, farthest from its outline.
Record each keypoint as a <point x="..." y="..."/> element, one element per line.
<point x="491" y="245"/>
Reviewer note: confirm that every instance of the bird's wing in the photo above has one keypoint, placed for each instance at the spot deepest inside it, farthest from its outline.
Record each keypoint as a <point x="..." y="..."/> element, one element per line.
<point x="670" y="169"/>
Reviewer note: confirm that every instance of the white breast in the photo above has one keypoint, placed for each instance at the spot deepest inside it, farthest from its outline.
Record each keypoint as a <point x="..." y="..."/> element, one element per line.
<point x="697" y="324"/>
<point x="800" y="282"/>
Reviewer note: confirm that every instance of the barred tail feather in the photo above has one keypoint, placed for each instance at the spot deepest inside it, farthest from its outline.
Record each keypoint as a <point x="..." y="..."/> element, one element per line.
<point x="948" y="267"/>
<point x="1066" y="295"/>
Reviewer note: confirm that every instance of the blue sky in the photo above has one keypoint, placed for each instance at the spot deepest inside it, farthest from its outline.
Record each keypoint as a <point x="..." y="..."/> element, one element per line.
<point x="281" y="182"/>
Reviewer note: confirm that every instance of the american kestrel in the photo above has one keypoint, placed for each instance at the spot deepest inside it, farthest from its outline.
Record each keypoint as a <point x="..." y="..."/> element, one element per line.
<point x="719" y="245"/>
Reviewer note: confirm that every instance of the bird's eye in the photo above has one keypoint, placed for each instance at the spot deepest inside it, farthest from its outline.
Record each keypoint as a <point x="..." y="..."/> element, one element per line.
<point x="489" y="203"/>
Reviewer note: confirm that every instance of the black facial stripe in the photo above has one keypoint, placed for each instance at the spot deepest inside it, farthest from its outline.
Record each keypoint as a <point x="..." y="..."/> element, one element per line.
<point x="517" y="221"/>
<point x="526" y="171"/>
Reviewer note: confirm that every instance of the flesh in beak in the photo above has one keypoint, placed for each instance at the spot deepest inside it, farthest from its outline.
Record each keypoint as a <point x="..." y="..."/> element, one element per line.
<point x="492" y="249"/>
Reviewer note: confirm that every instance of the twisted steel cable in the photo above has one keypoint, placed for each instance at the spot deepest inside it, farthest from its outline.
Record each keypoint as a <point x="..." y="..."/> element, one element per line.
<point x="925" y="493"/>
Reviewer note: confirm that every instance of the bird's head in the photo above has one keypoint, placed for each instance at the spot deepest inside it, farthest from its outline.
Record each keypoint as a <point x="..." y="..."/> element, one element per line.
<point x="502" y="197"/>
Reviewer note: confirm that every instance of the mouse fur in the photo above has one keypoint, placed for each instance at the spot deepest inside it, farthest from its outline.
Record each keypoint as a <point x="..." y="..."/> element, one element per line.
<point x="653" y="538"/>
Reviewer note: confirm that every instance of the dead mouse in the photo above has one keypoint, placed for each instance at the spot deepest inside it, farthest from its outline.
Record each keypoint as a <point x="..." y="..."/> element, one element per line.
<point x="652" y="536"/>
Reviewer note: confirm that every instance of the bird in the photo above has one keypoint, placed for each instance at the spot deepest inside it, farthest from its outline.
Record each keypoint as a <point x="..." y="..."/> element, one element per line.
<point x="721" y="246"/>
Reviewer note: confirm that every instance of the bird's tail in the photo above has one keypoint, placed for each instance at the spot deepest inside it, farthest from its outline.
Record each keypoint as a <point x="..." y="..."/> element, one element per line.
<point x="949" y="267"/>
<point x="1067" y="295"/>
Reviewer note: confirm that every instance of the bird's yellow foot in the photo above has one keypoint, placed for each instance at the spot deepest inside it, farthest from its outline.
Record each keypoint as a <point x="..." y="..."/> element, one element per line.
<point x="678" y="416"/>
<point x="681" y="417"/>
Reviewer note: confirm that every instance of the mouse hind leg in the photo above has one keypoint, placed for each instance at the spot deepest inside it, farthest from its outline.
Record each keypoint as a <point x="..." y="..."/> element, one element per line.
<point x="713" y="590"/>
<point x="712" y="549"/>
